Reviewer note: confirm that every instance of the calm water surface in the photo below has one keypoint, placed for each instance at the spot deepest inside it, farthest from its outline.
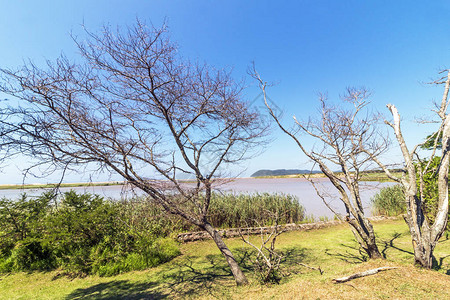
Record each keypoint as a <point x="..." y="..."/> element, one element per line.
<point x="298" y="187"/>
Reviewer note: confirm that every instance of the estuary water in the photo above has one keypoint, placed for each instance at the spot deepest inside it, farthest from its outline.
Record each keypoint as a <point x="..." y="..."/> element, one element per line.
<point x="298" y="187"/>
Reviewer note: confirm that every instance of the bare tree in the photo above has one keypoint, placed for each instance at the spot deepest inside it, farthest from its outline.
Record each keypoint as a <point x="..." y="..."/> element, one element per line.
<point x="133" y="107"/>
<point x="344" y="136"/>
<point x="5" y="131"/>
<point x="425" y="234"/>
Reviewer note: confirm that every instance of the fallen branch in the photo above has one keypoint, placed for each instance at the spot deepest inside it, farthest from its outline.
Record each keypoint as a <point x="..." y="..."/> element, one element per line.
<point x="362" y="274"/>
<point x="312" y="268"/>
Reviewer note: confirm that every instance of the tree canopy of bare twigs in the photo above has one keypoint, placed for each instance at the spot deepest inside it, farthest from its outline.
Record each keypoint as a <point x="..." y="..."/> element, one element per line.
<point x="343" y="136"/>
<point x="425" y="234"/>
<point x="5" y="132"/>
<point x="134" y="107"/>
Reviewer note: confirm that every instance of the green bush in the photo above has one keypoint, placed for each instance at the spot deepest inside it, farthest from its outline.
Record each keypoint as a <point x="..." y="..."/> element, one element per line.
<point x="21" y="219"/>
<point x="430" y="191"/>
<point x="80" y="233"/>
<point x="86" y="234"/>
<point x="389" y="201"/>
<point x="21" y="226"/>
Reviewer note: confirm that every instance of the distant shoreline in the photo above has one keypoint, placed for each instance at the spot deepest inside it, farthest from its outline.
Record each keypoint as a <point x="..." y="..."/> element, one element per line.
<point x="52" y="185"/>
<point x="381" y="177"/>
<point x="368" y="176"/>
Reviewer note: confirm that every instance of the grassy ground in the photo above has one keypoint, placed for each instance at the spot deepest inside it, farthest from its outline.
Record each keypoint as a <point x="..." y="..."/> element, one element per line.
<point x="200" y="272"/>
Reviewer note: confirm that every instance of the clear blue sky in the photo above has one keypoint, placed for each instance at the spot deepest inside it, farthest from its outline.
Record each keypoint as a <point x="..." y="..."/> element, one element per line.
<point x="390" y="47"/>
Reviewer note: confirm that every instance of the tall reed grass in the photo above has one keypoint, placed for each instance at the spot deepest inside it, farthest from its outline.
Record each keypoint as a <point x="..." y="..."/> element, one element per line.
<point x="389" y="201"/>
<point x="226" y="210"/>
<point x="237" y="210"/>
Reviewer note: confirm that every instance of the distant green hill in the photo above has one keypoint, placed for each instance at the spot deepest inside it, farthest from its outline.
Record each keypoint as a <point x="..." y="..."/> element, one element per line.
<point x="281" y="172"/>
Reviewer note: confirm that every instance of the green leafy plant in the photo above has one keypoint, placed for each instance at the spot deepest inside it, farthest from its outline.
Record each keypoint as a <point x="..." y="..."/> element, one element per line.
<point x="429" y="188"/>
<point x="80" y="233"/>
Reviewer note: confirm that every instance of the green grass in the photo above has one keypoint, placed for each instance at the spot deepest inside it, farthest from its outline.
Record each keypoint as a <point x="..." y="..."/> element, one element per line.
<point x="200" y="272"/>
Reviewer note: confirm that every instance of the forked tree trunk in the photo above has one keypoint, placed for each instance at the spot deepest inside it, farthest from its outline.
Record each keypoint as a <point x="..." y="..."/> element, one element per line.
<point x="423" y="254"/>
<point x="372" y="248"/>
<point x="235" y="269"/>
<point x="345" y="137"/>
<point x="423" y="241"/>
<point x="365" y="236"/>
<point x="373" y="252"/>
<point x="425" y="236"/>
<point x="361" y="227"/>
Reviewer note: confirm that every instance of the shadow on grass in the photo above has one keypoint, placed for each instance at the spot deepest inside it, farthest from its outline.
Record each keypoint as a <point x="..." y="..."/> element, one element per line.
<point x="354" y="254"/>
<point x="185" y="278"/>
<point x="438" y="263"/>
<point x="117" y="289"/>
<point x="389" y="244"/>
<point x="294" y="255"/>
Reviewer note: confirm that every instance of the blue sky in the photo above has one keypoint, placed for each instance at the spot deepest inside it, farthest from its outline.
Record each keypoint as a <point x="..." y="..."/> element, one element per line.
<point x="391" y="47"/>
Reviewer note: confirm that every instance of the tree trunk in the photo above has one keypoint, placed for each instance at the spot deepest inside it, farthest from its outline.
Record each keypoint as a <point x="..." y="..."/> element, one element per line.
<point x="423" y="240"/>
<point x="373" y="252"/>
<point x="235" y="269"/>
<point x="372" y="248"/>
<point x="423" y="255"/>
<point x="423" y="245"/>
<point x="365" y="236"/>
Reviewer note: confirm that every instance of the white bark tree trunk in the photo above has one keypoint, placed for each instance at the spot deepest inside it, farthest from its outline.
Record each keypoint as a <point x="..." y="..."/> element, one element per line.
<point x="425" y="236"/>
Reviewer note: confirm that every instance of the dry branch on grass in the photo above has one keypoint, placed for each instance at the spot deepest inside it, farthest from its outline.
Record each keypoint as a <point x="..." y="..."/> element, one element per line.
<point x="312" y="268"/>
<point x="362" y="274"/>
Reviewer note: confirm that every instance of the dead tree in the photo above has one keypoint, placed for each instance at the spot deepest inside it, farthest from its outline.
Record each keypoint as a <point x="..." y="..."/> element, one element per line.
<point x="133" y="107"/>
<point x="425" y="234"/>
<point x="343" y="135"/>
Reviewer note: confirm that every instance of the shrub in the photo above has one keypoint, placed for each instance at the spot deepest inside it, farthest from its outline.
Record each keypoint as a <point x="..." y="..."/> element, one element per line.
<point x="31" y="254"/>
<point x="82" y="234"/>
<point x="21" y="229"/>
<point x="86" y="234"/>
<point x="20" y="219"/>
<point x="430" y="191"/>
<point x="389" y="201"/>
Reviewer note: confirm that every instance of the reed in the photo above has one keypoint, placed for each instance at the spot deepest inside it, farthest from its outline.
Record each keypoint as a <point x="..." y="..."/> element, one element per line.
<point x="389" y="201"/>
<point x="227" y="210"/>
<point x="258" y="209"/>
